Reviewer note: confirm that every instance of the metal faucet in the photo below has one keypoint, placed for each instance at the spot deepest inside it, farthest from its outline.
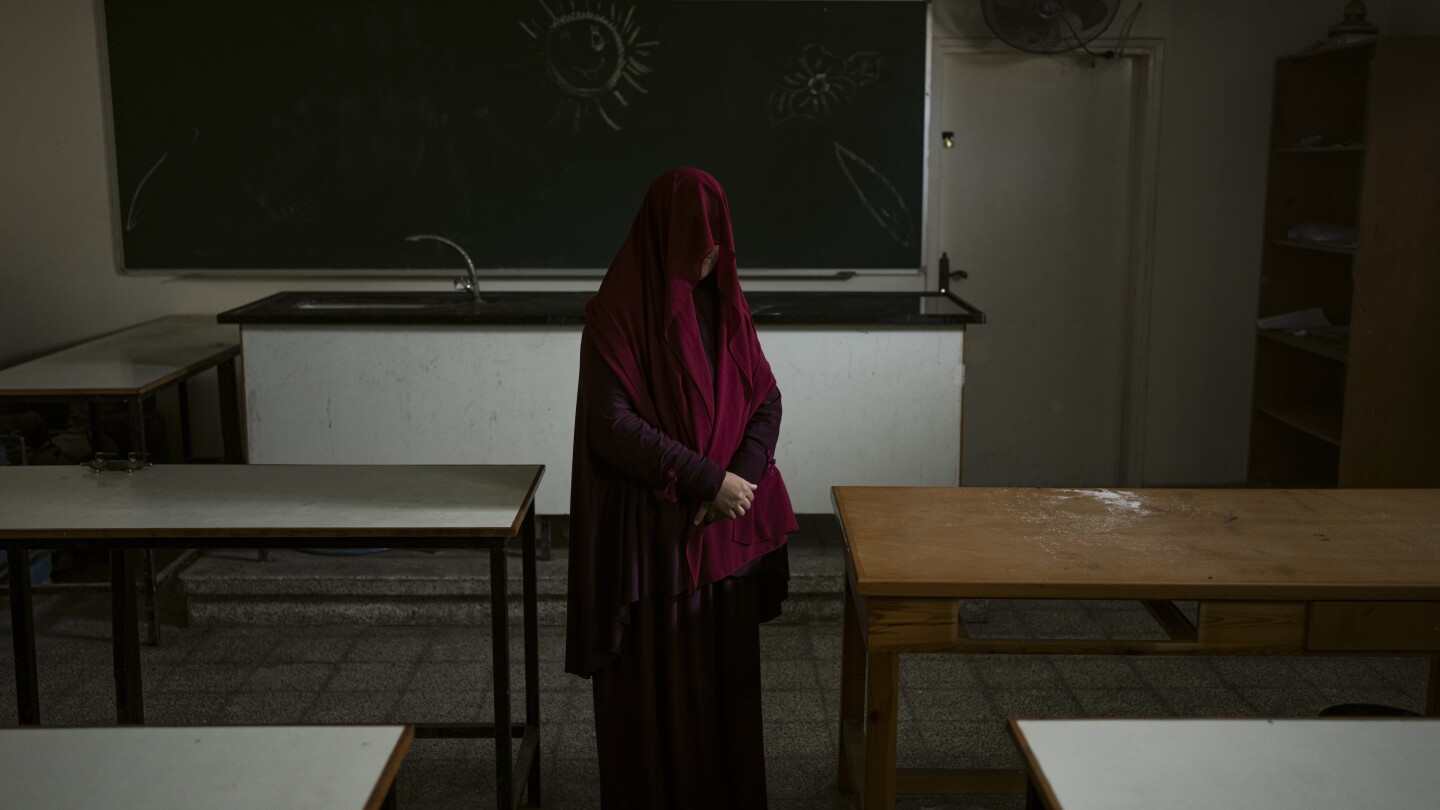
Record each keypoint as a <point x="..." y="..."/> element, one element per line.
<point x="471" y="282"/>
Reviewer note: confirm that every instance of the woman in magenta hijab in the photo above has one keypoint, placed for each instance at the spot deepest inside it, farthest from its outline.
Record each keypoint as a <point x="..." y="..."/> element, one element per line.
<point x="678" y="517"/>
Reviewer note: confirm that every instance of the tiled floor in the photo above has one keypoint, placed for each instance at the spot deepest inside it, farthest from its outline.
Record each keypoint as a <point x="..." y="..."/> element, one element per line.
<point x="952" y="707"/>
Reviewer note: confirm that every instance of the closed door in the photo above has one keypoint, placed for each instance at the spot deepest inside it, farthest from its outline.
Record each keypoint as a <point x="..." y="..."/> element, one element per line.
<point x="1036" y="206"/>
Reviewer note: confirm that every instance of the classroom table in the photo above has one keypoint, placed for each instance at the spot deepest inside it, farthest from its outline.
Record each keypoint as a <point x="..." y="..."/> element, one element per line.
<point x="130" y="367"/>
<point x="214" y="767"/>
<point x="1272" y="572"/>
<point x="1204" y="764"/>
<point x="282" y="506"/>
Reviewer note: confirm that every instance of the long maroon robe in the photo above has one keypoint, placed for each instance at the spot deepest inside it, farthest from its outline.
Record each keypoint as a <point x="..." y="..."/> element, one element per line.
<point x="674" y="391"/>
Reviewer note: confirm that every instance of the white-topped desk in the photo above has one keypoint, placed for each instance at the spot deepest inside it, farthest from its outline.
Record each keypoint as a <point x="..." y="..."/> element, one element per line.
<point x="130" y="367"/>
<point x="1292" y="764"/>
<point x="133" y="365"/>
<point x="280" y="506"/>
<point x="211" y="767"/>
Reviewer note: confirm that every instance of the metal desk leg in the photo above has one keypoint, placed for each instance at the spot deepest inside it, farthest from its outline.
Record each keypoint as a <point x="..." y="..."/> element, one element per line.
<point x="228" y="375"/>
<point x="186" y="446"/>
<point x="93" y="410"/>
<point x="1432" y="690"/>
<point x="500" y="642"/>
<point x="152" y="599"/>
<point x="137" y="425"/>
<point x="125" y="638"/>
<point x="852" y="699"/>
<point x="22" y="634"/>
<point x="230" y="412"/>
<point x="532" y="647"/>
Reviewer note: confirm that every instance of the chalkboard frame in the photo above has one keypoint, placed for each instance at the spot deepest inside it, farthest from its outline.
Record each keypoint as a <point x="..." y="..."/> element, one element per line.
<point x="446" y="261"/>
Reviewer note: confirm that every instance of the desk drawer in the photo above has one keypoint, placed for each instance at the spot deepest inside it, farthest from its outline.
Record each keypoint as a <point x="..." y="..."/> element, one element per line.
<point x="1374" y="626"/>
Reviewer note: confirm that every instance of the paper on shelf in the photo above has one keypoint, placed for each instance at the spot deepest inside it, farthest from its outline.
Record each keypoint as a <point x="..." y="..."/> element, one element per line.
<point x="1313" y="318"/>
<point x="1323" y="233"/>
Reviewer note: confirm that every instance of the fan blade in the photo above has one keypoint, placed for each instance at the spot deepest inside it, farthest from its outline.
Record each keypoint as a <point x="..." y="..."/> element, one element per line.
<point x="1047" y="26"/>
<point x="1090" y="12"/>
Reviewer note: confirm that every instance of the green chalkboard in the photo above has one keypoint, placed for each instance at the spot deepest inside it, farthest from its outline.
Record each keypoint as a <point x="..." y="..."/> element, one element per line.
<point x="316" y="134"/>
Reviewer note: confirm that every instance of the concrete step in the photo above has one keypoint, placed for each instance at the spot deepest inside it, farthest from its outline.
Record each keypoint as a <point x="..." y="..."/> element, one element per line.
<point x="446" y="586"/>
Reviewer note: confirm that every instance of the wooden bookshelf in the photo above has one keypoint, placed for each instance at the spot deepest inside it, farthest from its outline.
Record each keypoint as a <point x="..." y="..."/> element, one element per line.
<point x="1353" y="143"/>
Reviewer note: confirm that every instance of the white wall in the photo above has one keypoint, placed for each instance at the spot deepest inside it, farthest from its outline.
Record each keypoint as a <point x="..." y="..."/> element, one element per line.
<point x="58" y="285"/>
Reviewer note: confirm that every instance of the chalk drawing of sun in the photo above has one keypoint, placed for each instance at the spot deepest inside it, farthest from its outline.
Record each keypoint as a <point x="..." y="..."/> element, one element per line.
<point x="592" y="55"/>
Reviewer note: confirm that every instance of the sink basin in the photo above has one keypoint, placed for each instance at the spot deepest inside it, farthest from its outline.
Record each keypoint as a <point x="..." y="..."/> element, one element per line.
<point x="389" y="307"/>
<point x="362" y="305"/>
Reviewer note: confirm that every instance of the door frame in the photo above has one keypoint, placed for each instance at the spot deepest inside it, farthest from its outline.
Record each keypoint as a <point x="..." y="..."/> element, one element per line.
<point x="1144" y="172"/>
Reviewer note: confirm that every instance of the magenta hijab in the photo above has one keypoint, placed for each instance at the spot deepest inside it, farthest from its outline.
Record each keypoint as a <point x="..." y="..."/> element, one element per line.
<point x="643" y="323"/>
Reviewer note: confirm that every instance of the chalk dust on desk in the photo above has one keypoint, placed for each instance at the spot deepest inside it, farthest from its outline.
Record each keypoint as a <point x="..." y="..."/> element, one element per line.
<point x="1116" y="501"/>
<point x="1068" y="531"/>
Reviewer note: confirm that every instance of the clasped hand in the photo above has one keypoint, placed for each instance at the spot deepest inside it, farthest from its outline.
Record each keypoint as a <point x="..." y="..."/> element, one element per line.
<point x="734" y="499"/>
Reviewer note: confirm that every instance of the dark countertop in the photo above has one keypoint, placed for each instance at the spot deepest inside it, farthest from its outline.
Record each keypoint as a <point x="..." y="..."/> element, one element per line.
<point x="538" y="308"/>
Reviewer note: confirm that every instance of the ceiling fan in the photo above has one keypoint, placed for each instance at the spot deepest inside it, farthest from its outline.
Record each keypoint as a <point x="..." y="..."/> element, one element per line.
<point x="1050" y="26"/>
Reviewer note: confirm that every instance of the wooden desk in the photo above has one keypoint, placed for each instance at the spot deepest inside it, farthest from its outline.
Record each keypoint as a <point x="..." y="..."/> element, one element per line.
<point x="281" y="506"/>
<point x="130" y="367"/>
<point x="1275" y="572"/>
<point x="1296" y="764"/>
<point x="214" y="767"/>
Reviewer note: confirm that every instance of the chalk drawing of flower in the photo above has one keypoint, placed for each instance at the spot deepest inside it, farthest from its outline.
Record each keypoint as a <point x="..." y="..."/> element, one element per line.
<point x="819" y="84"/>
